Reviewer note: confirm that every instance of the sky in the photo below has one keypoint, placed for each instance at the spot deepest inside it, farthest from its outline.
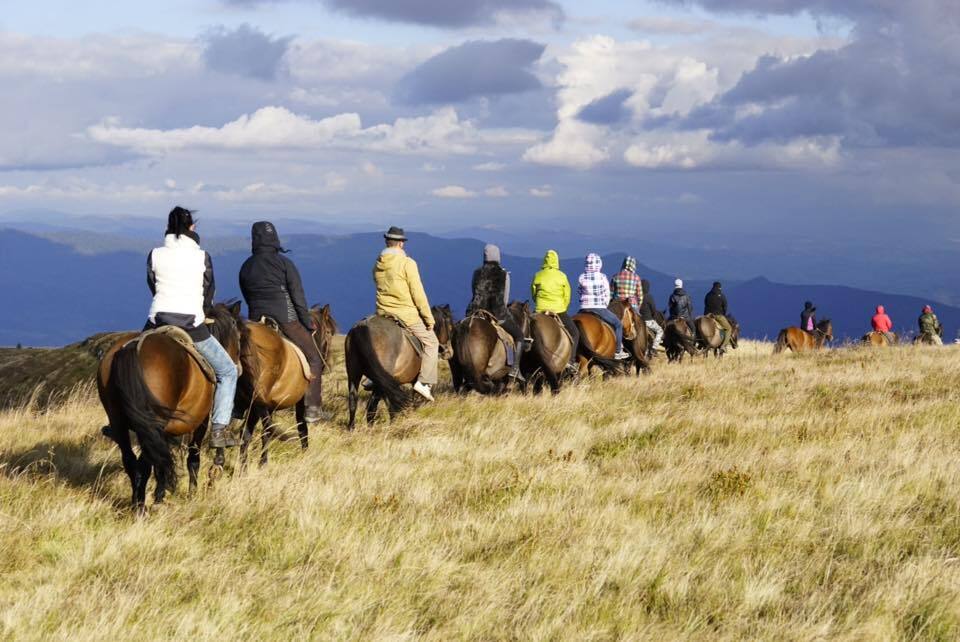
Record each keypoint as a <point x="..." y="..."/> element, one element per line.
<point x="716" y="123"/>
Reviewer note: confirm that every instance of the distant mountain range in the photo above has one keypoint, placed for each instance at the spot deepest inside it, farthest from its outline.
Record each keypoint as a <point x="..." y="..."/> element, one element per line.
<point x="55" y="293"/>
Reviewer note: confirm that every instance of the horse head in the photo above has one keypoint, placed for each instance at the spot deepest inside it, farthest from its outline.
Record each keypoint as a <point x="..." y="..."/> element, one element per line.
<point x="825" y="328"/>
<point x="443" y="317"/>
<point x="228" y="328"/>
<point x="325" y="328"/>
<point x="522" y="315"/>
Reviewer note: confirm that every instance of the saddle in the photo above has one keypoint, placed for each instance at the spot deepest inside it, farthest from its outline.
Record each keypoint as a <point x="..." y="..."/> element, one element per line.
<point x="274" y="325"/>
<point x="415" y="343"/>
<point x="563" y="328"/>
<point x="180" y="336"/>
<point x="626" y="337"/>
<point x="504" y="337"/>
<point x="720" y="326"/>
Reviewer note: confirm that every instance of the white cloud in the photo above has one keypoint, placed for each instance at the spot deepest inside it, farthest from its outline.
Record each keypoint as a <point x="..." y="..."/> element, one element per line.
<point x="453" y="191"/>
<point x="544" y="191"/>
<point x="574" y="144"/>
<point x="489" y="167"/>
<point x="498" y="191"/>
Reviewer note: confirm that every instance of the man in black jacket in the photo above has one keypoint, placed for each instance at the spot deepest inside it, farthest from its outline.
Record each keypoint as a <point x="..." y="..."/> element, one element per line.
<point x="808" y="318"/>
<point x="648" y="312"/>
<point x="715" y="305"/>
<point x="272" y="288"/>
<point x="681" y="307"/>
<point x="491" y="293"/>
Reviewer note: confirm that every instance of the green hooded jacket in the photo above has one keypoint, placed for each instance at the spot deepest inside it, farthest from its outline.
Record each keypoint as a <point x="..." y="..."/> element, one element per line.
<point x="550" y="287"/>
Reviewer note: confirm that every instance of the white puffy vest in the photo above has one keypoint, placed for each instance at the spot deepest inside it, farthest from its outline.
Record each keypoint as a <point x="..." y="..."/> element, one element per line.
<point x="178" y="267"/>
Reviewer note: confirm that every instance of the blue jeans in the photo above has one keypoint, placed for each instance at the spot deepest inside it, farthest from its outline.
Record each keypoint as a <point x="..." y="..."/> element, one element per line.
<point x="612" y="319"/>
<point x="226" y="371"/>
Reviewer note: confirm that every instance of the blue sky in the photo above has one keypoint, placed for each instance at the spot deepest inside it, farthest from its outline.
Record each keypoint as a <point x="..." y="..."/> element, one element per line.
<point x="740" y="122"/>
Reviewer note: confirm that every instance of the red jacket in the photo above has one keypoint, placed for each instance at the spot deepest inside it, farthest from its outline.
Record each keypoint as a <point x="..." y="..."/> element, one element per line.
<point x="881" y="322"/>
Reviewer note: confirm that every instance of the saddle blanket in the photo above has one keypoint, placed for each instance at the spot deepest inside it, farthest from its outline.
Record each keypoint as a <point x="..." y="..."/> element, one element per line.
<point x="273" y="325"/>
<point x="180" y="336"/>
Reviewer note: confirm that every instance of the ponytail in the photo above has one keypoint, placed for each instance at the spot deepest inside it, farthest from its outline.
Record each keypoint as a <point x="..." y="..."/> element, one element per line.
<point x="180" y="221"/>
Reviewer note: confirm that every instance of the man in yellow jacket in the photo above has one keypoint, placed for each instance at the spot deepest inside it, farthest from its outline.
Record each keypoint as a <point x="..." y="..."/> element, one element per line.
<point x="400" y="295"/>
<point x="551" y="293"/>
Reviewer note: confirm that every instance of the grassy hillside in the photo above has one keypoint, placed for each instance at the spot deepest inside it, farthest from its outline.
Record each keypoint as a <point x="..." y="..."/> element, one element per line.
<point x="766" y="498"/>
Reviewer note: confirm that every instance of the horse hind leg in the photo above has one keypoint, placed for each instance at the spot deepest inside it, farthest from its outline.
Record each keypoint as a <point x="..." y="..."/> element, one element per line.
<point x="266" y="419"/>
<point x="130" y="465"/>
<point x="193" y="456"/>
<point x="140" y="484"/>
<point x="302" y="428"/>
<point x="371" y="411"/>
<point x="249" y="428"/>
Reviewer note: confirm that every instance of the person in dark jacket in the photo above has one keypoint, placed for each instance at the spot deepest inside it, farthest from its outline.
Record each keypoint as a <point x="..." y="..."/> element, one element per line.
<point x="681" y="307"/>
<point x="648" y="312"/>
<point x="271" y="286"/>
<point x="715" y="305"/>
<point x="491" y="293"/>
<point x="808" y="318"/>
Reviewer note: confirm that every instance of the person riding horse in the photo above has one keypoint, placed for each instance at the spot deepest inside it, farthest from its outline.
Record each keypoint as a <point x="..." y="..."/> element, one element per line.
<point x="595" y="297"/>
<point x="625" y="284"/>
<point x="648" y="312"/>
<point x="882" y="324"/>
<point x="180" y="277"/>
<point x="808" y="318"/>
<point x="550" y="290"/>
<point x="491" y="293"/>
<point x="681" y="307"/>
<point x="400" y="295"/>
<point x="272" y="288"/>
<point x="930" y="328"/>
<point x="715" y="305"/>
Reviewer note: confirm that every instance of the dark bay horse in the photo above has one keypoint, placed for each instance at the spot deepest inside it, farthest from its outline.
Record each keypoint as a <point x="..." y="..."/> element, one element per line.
<point x="274" y="378"/>
<point x="378" y="349"/>
<point x="638" y="344"/>
<point x="679" y="339"/>
<point x="798" y="340"/>
<point x="552" y="350"/>
<point x="880" y="340"/>
<point x="709" y="337"/>
<point x="598" y="343"/>
<point x="160" y="394"/>
<point x="479" y="356"/>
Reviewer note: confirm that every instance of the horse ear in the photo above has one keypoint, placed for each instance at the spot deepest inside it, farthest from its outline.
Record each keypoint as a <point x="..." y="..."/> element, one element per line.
<point x="234" y="309"/>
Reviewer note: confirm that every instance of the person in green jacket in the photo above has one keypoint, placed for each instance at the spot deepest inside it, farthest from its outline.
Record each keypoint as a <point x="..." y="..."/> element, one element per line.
<point x="930" y="327"/>
<point x="551" y="293"/>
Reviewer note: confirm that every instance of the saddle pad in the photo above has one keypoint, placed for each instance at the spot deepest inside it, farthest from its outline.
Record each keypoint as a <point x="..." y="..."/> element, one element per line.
<point x="273" y="325"/>
<point x="180" y="336"/>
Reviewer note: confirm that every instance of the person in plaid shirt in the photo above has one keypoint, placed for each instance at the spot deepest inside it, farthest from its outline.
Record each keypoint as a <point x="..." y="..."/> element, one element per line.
<point x="595" y="297"/>
<point x="626" y="284"/>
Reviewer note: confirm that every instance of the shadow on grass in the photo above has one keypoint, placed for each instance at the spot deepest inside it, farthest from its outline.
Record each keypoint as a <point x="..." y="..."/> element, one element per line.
<point x="70" y="462"/>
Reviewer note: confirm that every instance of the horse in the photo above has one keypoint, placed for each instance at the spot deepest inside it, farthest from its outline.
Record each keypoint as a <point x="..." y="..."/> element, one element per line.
<point x="879" y="340"/>
<point x="551" y="352"/>
<point x="160" y="393"/>
<point x="598" y="343"/>
<point x="479" y="356"/>
<point x="679" y="338"/>
<point x="927" y="339"/>
<point x="274" y="378"/>
<point x="379" y="349"/>
<point x="638" y="344"/>
<point x="798" y="340"/>
<point x="709" y="336"/>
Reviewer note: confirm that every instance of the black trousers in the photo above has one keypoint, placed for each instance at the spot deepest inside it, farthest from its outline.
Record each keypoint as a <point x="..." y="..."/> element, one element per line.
<point x="302" y="338"/>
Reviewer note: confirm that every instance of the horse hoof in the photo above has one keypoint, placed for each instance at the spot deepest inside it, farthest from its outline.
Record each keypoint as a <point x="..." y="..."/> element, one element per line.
<point x="107" y="431"/>
<point x="216" y="471"/>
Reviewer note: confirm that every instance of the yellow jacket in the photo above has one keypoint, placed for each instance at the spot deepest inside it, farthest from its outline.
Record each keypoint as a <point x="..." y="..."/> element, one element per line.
<point x="550" y="287"/>
<point x="399" y="289"/>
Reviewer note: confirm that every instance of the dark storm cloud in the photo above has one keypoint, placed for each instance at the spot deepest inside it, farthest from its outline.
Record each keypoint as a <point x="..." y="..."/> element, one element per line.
<point x="244" y="51"/>
<point x="475" y="68"/>
<point x="895" y="84"/>
<point x="438" y="13"/>
<point x="608" y="110"/>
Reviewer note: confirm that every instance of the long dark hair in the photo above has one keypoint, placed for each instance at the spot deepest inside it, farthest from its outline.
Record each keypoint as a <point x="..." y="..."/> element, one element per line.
<point x="180" y="221"/>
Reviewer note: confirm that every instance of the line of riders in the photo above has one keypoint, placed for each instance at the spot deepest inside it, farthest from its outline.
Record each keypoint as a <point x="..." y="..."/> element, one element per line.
<point x="180" y="277"/>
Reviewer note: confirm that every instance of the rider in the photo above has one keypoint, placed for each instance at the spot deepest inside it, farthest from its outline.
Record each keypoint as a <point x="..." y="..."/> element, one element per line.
<point x="625" y="284"/>
<point x="551" y="293"/>
<point x="881" y="323"/>
<point x="930" y="326"/>
<point x="491" y="293"/>
<point x="271" y="286"/>
<point x="715" y="305"/>
<point x="681" y="307"/>
<point x="648" y="312"/>
<point x="180" y="277"/>
<point x="595" y="297"/>
<point x="400" y="295"/>
<point x="808" y="318"/>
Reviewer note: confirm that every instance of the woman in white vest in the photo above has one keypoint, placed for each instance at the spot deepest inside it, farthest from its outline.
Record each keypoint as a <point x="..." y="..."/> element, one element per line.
<point x="180" y="276"/>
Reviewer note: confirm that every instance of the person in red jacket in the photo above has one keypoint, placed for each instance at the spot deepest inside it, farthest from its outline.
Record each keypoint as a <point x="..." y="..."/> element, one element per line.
<point x="882" y="323"/>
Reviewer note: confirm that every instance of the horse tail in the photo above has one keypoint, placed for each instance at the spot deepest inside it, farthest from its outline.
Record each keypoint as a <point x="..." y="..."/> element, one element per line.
<point x="607" y="365"/>
<point x="386" y="384"/>
<point x="141" y="412"/>
<point x="781" y="342"/>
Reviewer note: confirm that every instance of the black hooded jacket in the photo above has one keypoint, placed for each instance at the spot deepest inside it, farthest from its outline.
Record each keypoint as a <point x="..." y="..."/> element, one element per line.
<point x="270" y="282"/>
<point x="680" y="305"/>
<point x="489" y="290"/>
<point x="808" y="312"/>
<point x="715" y="302"/>
<point x="648" y="309"/>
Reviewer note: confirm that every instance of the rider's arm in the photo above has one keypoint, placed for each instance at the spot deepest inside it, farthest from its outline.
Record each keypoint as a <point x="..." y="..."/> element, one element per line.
<point x="295" y="290"/>
<point x="151" y="275"/>
<point x="209" y="284"/>
<point x="417" y="293"/>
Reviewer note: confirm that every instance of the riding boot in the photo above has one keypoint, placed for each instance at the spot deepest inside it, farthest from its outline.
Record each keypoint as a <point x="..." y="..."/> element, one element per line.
<point x="518" y="355"/>
<point x="219" y="437"/>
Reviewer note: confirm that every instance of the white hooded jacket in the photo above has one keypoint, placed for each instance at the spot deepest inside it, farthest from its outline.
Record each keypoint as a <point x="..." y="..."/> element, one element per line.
<point x="180" y="276"/>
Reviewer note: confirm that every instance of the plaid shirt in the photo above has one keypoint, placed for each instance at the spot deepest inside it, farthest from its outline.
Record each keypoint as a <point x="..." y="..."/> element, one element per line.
<point x="594" y="287"/>
<point x="626" y="287"/>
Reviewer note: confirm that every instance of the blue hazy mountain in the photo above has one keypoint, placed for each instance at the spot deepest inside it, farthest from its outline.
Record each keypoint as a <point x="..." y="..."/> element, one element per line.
<point x="56" y="294"/>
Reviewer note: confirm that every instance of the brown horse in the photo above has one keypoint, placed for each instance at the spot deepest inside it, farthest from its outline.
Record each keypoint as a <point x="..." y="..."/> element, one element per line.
<point x="638" y="344"/>
<point x="274" y="378"/>
<point x="598" y="343"/>
<point x="798" y="340"/>
<point x="927" y="339"/>
<point x="160" y="394"/>
<point x="378" y="349"/>
<point x="709" y="337"/>
<point x="551" y="352"/>
<point x="879" y="340"/>
<point x="679" y="339"/>
<point x="479" y="356"/>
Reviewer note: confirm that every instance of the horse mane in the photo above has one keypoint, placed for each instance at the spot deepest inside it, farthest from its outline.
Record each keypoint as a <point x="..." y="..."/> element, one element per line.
<point x="224" y="323"/>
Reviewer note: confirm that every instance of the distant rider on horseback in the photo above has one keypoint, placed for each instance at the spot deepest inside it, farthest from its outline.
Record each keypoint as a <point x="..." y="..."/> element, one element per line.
<point x="595" y="297"/>
<point x="551" y="294"/>
<point x="400" y="295"/>
<point x="882" y="324"/>
<point x="272" y="288"/>
<point x="491" y="293"/>
<point x="180" y="277"/>
<point x="715" y="305"/>
<point x="808" y="318"/>
<point x="648" y="312"/>
<point x="681" y="307"/>
<point x="625" y="284"/>
<point x="930" y="327"/>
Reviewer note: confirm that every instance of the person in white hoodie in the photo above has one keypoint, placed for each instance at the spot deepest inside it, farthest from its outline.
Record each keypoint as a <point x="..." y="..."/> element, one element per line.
<point x="180" y="277"/>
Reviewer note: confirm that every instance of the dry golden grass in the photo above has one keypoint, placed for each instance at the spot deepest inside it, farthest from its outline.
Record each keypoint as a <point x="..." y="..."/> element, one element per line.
<point x="797" y="497"/>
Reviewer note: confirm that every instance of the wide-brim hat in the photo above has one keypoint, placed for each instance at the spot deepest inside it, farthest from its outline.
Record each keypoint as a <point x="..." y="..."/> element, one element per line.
<point x="395" y="234"/>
